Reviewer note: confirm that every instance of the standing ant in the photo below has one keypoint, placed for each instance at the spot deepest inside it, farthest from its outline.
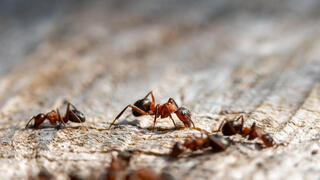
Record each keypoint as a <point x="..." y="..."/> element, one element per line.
<point x="214" y="141"/>
<point x="146" y="107"/>
<point x="232" y="127"/>
<point x="54" y="116"/>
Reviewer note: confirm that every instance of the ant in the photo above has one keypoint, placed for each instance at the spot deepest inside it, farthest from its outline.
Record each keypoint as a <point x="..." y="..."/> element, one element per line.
<point x="44" y="174"/>
<point x="117" y="166"/>
<point x="118" y="169"/>
<point x="257" y="132"/>
<point x="216" y="143"/>
<point x="232" y="127"/>
<point x="144" y="174"/>
<point x="146" y="107"/>
<point x="54" y="116"/>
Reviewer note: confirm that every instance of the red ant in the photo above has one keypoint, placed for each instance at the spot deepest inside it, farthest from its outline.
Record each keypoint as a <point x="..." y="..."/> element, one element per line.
<point x="54" y="116"/>
<point x="232" y="127"/>
<point x="146" y="107"/>
<point x="214" y="141"/>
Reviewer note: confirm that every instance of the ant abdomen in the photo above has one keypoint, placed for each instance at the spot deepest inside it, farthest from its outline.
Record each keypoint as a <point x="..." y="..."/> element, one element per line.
<point x="143" y="104"/>
<point x="76" y="115"/>
<point x="231" y="128"/>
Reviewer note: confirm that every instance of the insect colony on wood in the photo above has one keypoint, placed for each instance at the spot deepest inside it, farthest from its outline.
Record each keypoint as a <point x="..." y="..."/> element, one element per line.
<point x="145" y="106"/>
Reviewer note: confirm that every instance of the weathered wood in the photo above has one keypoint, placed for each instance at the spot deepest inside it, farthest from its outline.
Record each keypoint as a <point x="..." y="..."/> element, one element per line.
<point x="220" y="59"/>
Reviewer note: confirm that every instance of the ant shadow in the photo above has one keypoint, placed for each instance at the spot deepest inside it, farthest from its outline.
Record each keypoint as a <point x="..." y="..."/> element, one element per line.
<point x="58" y="127"/>
<point x="135" y="122"/>
<point x="193" y="155"/>
<point x="157" y="130"/>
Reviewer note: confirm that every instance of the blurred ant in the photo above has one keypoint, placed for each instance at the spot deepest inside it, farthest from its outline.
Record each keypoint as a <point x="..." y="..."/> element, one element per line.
<point x="44" y="174"/>
<point x="258" y="132"/>
<point x="232" y="127"/>
<point x="146" y="107"/>
<point x="54" y="116"/>
<point x="144" y="174"/>
<point x="216" y="143"/>
<point x="118" y="166"/>
<point x="118" y="169"/>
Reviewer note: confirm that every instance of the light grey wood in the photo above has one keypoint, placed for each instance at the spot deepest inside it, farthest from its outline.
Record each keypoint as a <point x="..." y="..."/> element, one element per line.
<point x="257" y="58"/>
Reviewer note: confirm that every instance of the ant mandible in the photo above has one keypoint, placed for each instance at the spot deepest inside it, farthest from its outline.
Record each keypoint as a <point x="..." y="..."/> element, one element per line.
<point x="54" y="116"/>
<point x="232" y="127"/>
<point x="146" y="107"/>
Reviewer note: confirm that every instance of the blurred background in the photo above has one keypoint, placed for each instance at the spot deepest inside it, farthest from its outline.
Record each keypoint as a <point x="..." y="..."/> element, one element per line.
<point x="152" y="43"/>
<point x="25" y="25"/>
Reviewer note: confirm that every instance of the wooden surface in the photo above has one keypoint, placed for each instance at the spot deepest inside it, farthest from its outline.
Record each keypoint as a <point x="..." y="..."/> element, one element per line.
<point x="218" y="58"/>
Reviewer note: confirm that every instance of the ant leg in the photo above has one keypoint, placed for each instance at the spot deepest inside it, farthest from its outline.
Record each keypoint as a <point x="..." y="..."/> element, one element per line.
<point x="171" y="116"/>
<point x="69" y="104"/>
<point x="68" y="110"/>
<point x="133" y="107"/>
<point x="155" y="117"/>
<point x="220" y="126"/>
<point x="29" y="121"/>
<point x="174" y="102"/>
<point x="240" y="117"/>
<point x="253" y="132"/>
<point x="60" y="120"/>
<point x="192" y="123"/>
<point x="242" y="121"/>
<point x="150" y="93"/>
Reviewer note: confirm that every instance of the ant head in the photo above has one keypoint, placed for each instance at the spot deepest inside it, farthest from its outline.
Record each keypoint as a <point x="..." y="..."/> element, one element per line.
<point x="77" y="115"/>
<point x="185" y="116"/>
<point x="143" y="104"/>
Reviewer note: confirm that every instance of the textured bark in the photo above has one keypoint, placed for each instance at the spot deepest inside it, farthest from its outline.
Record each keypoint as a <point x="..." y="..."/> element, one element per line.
<point x="218" y="58"/>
